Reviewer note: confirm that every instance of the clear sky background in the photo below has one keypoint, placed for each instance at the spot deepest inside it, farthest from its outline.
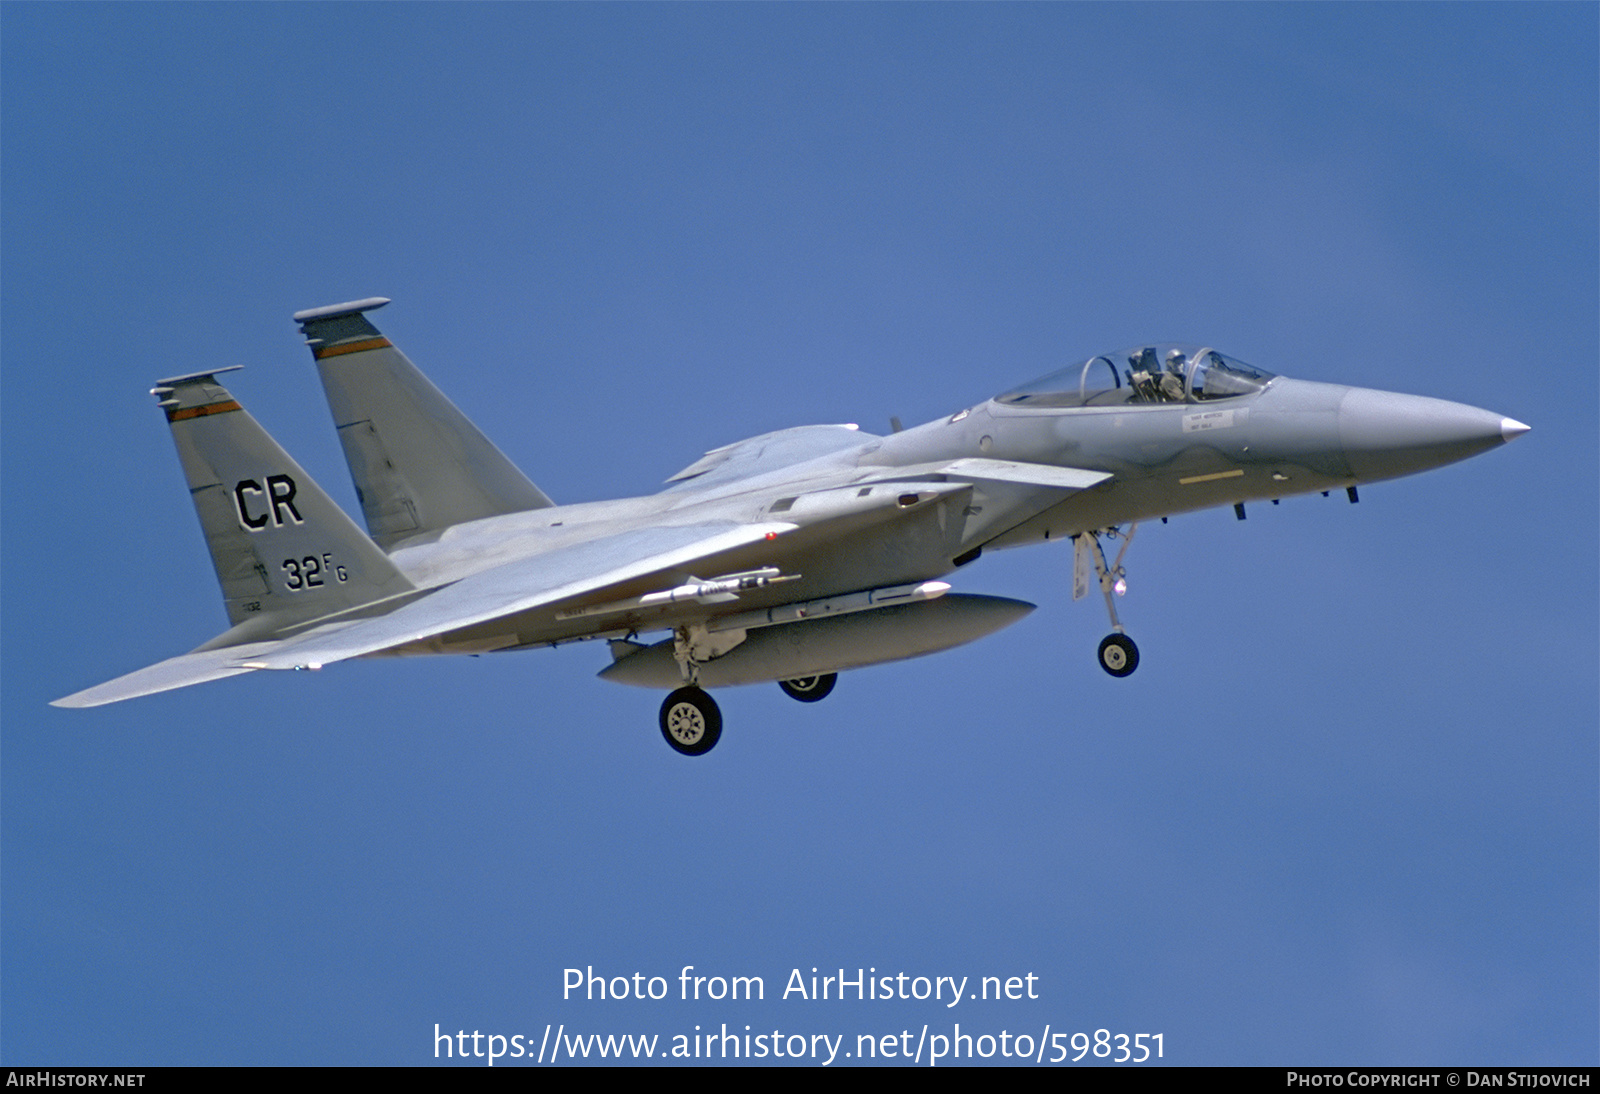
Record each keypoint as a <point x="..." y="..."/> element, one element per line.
<point x="1346" y="810"/>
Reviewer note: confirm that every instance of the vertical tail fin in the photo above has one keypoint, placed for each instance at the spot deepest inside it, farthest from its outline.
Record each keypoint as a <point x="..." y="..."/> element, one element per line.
<point x="418" y="463"/>
<point x="283" y="551"/>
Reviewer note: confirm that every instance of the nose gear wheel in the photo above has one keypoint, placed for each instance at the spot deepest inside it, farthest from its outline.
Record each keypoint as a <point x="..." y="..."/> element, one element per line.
<point x="1118" y="655"/>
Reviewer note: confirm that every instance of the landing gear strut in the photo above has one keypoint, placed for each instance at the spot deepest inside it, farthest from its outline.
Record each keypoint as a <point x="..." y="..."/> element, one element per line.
<point x="690" y="721"/>
<point x="809" y="689"/>
<point x="1118" y="655"/>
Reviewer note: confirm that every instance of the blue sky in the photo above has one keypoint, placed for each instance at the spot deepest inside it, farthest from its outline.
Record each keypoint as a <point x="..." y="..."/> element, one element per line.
<point x="1344" y="813"/>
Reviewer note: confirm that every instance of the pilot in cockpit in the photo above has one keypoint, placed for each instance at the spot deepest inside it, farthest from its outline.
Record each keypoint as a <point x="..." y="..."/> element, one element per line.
<point x="1172" y="379"/>
<point x="1142" y="371"/>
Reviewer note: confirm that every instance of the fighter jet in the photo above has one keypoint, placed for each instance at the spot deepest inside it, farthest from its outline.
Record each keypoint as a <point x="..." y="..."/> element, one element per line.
<point x="789" y="557"/>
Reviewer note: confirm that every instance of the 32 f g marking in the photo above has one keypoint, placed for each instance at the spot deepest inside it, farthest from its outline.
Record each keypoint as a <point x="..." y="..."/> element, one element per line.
<point x="309" y="572"/>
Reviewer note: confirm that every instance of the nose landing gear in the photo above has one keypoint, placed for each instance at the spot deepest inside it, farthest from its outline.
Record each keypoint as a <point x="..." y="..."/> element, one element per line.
<point x="1118" y="655"/>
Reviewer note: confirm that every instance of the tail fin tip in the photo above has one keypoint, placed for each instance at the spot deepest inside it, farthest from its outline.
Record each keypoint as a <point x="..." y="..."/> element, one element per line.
<point x="164" y="388"/>
<point x="333" y="311"/>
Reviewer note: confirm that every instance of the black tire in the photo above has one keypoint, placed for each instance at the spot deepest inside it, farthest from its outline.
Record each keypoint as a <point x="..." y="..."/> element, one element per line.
<point x="1118" y="655"/>
<point x="810" y="689"/>
<point x="691" y="722"/>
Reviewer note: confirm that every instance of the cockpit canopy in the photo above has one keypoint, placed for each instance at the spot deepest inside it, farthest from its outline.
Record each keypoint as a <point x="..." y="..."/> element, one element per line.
<point x="1163" y="372"/>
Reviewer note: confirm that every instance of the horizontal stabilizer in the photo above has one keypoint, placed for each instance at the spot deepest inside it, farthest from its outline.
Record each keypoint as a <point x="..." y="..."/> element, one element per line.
<point x="176" y="672"/>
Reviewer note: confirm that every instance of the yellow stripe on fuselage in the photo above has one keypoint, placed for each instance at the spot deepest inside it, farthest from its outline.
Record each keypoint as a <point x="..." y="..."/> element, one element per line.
<point x="1210" y="478"/>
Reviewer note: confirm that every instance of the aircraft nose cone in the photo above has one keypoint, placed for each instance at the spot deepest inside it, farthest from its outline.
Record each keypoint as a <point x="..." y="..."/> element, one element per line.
<point x="1385" y="434"/>
<point x="1511" y="429"/>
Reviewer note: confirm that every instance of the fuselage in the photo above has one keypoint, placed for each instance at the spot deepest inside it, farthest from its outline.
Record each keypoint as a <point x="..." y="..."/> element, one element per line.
<point x="1164" y="456"/>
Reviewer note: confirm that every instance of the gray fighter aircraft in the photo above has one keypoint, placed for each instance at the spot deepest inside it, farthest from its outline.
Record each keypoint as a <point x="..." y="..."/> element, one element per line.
<point x="788" y="557"/>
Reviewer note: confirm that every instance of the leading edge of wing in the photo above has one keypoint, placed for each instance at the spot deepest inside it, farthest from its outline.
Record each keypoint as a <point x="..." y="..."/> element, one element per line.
<point x="516" y="587"/>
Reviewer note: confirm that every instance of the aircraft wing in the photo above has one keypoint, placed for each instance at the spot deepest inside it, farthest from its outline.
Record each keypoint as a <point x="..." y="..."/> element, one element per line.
<point x="526" y="584"/>
<point x="175" y="672"/>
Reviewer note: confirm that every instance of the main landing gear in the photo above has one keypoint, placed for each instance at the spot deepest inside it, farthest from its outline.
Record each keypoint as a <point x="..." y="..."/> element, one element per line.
<point x="691" y="721"/>
<point x="810" y="689"/>
<point x="1118" y="655"/>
